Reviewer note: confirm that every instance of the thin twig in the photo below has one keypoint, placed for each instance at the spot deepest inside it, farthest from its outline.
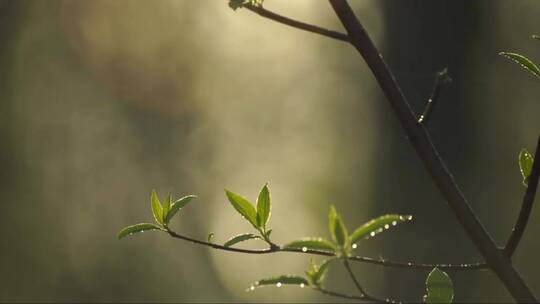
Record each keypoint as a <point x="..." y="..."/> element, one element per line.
<point x="421" y="141"/>
<point x="339" y="295"/>
<point x="367" y="260"/>
<point x="526" y="207"/>
<point x="441" y="79"/>
<point x="364" y="294"/>
<point x="297" y="24"/>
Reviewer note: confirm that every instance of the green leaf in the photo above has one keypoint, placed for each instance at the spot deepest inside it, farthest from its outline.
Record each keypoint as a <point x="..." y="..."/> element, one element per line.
<point x="338" y="231"/>
<point x="157" y="209"/>
<point x="281" y="280"/>
<point x="210" y="237"/>
<point x="439" y="287"/>
<point x="311" y="243"/>
<point x="142" y="227"/>
<point x="525" y="62"/>
<point x="244" y="207"/>
<point x="166" y="207"/>
<point x="264" y="207"/>
<point x="240" y="238"/>
<point x="378" y="225"/>
<point x="177" y="205"/>
<point x="525" y="165"/>
<point x="316" y="273"/>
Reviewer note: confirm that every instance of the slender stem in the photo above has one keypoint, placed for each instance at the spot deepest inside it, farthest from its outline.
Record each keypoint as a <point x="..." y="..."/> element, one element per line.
<point x="339" y="295"/>
<point x="441" y="79"/>
<point x="364" y="294"/>
<point x="423" y="145"/>
<point x="367" y="260"/>
<point x="297" y="24"/>
<point x="526" y="207"/>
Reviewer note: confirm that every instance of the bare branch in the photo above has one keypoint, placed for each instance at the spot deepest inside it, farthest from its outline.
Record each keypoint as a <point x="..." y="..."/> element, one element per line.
<point x="526" y="206"/>
<point x="297" y="24"/>
<point x="441" y="79"/>
<point x="423" y="145"/>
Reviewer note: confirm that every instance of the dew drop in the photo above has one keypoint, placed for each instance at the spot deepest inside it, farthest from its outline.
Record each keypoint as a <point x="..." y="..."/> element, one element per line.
<point x="302" y="285"/>
<point x="386" y="226"/>
<point x="278" y="284"/>
<point x="304" y="249"/>
<point x="354" y="246"/>
<point x="252" y="288"/>
<point x="394" y="223"/>
<point x="372" y="233"/>
<point x="409" y="217"/>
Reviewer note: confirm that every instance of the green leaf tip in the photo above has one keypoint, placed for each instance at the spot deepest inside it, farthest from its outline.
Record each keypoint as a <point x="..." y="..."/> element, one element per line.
<point x="439" y="287"/>
<point x="240" y="238"/>
<point x="244" y="207"/>
<point x="311" y="243"/>
<point x="378" y="225"/>
<point x="264" y="207"/>
<point x="236" y="4"/>
<point x="279" y="281"/>
<point x="523" y="61"/>
<point x="525" y="165"/>
<point x="142" y="227"/>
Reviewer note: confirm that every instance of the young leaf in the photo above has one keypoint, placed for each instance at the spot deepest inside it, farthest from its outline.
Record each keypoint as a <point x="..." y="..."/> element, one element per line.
<point x="311" y="243"/>
<point x="264" y="207"/>
<point x="439" y="287"/>
<point x="378" y="225"/>
<point x="166" y="207"/>
<point x="244" y="207"/>
<point x="210" y="237"/>
<point x="525" y="62"/>
<point x="157" y="209"/>
<point x="316" y="273"/>
<point x="142" y="227"/>
<point x="281" y="280"/>
<point x="525" y="165"/>
<point x="177" y="205"/>
<point x="240" y="238"/>
<point x="338" y="231"/>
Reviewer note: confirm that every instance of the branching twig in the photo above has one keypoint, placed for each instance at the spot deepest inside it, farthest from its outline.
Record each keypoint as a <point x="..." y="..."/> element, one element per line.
<point x="296" y="24"/>
<point x="367" y="260"/>
<point x="423" y="145"/>
<point x="441" y="79"/>
<point x="363" y="293"/>
<point x="526" y="207"/>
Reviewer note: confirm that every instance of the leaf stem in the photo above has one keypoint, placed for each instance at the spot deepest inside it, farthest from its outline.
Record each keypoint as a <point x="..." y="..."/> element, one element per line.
<point x="421" y="141"/>
<point x="297" y="24"/>
<point x="526" y="206"/>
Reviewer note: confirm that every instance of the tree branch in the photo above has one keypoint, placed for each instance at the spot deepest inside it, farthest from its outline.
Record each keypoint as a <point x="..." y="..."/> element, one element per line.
<point x="361" y="259"/>
<point x="339" y="295"/>
<point x="526" y="206"/>
<point x="363" y="293"/>
<point x="422" y="143"/>
<point x="296" y="24"/>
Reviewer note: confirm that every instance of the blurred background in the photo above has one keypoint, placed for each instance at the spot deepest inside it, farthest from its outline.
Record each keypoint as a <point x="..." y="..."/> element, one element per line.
<point x="102" y="101"/>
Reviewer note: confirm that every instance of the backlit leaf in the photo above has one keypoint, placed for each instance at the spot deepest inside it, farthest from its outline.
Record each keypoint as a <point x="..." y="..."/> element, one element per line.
<point x="240" y="238"/>
<point x="177" y="205"/>
<point x="439" y="287"/>
<point x="311" y="243"/>
<point x="378" y="225"/>
<point x="525" y="165"/>
<point x="244" y="207"/>
<point x="157" y="209"/>
<point x="338" y="231"/>
<point x="523" y="61"/>
<point x="142" y="227"/>
<point x="280" y="281"/>
<point x="264" y="207"/>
